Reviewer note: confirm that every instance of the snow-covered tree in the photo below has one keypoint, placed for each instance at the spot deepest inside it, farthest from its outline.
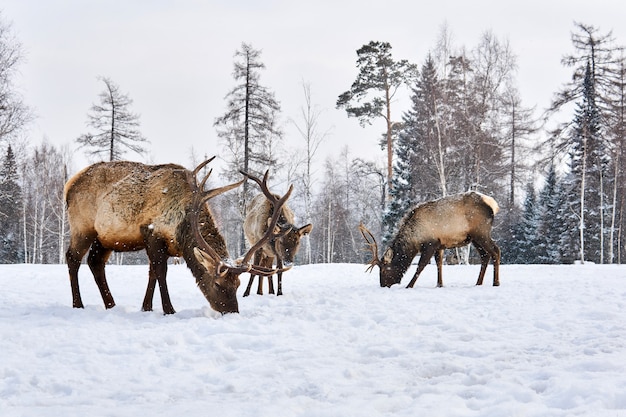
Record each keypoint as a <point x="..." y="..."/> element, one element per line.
<point x="551" y="225"/>
<point x="10" y="210"/>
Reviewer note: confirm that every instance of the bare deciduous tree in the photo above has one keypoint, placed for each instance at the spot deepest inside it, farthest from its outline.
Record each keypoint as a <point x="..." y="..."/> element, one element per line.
<point x="14" y="114"/>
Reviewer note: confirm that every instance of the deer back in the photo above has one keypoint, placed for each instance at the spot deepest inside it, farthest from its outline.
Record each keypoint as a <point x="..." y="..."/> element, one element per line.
<point x="451" y="220"/>
<point x="113" y="200"/>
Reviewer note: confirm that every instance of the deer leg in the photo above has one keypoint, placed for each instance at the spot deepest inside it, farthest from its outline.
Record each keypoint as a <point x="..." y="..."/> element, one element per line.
<point x="488" y="249"/>
<point x="247" y="291"/>
<point x="160" y="269"/>
<point x="279" y="265"/>
<point x="427" y="252"/>
<point x="147" y="299"/>
<point x="269" y="261"/>
<point x="73" y="257"/>
<point x="494" y="251"/>
<point x="439" y="261"/>
<point x="259" y="289"/>
<point x="158" y="273"/>
<point x="484" y="261"/>
<point x="98" y="256"/>
<point x="496" y="265"/>
<point x="257" y="259"/>
<point x="157" y="254"/>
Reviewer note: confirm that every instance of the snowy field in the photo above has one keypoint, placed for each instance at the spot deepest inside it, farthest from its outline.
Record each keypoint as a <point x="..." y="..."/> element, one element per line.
<point x="550" y="341"/>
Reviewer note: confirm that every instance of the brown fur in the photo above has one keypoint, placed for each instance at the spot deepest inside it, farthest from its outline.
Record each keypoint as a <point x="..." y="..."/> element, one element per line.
<point x="283" y="249"/>
<point x="431" y="227"/>
<point x="128" y="206"/>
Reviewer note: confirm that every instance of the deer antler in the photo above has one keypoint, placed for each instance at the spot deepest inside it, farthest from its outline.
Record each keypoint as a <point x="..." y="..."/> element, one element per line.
<point x="263" y="184"/>
<point x="222" y="268"/>
<point x="371" y="242"/>
<point x="199" y="200"/>
<point x="269" y="233"/>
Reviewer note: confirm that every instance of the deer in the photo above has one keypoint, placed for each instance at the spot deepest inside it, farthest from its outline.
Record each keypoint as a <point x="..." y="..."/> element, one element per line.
<point x="284" y="247"/>
<point x="429" y="228"/>
<point x="128" y="206"/>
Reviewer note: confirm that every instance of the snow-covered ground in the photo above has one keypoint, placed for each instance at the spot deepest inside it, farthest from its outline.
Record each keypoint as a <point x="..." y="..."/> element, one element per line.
<point x="550" y="341"/>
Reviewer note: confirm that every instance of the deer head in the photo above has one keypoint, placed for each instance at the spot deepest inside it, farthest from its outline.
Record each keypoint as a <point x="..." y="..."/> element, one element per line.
<point x="389" y="274"/>
<point x="220" y="281"/>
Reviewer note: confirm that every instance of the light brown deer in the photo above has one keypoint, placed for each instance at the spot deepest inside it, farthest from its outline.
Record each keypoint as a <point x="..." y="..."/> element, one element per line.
<point x="283" y="247"/>
<point x="431" y="227"/>
<point x="129" y="206"/>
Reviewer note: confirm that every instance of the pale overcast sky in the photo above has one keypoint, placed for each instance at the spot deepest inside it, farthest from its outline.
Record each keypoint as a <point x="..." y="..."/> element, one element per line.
<point x="175" y="58"/>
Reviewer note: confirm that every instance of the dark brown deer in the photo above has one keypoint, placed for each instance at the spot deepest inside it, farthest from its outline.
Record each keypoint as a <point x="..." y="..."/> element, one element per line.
<point x="431" y="227"/>
<point x="284" y="247"/>
<point x="129" y="206"/>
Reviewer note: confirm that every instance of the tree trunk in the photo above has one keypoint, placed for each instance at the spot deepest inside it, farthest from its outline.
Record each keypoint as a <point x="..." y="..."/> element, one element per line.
<point x="581" y="226"/>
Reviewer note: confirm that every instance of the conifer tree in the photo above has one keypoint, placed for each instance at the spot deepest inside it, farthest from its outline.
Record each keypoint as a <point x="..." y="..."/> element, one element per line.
<point x="10" y="209"/>
<point x="372" y="93"/>
<point x="419" y="167"/>
<point x="525" y="235"/>
<point x="116" y="127"/>
<point x="249" y="129"/>
<point x="589" y="166"/>
<point x="550" y="226"/>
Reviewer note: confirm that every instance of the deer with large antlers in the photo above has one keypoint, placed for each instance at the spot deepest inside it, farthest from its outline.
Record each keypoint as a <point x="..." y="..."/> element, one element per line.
<point x="431" y="227"/>
<point x="129" y="206"/>
<point x="286" y="243"/>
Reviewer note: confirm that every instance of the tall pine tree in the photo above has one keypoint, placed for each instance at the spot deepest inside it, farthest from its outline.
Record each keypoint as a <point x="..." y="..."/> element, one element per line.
<point x="10" y="210"/>
<point x="249" y="129"/>
<point x="588" y="168"/>
<point x="419" y="172"/>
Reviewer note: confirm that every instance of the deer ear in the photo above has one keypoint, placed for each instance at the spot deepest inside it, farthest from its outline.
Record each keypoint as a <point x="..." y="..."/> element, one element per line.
<point x="388" y="256"/>
<point x="204" y="259"/>
<point x="305" y="230"/>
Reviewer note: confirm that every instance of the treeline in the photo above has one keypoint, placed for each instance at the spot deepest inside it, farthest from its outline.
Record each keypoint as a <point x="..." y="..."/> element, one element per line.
<point x="558" y="176"/>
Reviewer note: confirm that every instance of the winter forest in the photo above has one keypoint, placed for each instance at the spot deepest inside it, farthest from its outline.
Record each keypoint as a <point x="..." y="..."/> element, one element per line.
<point x="557" y="173"/>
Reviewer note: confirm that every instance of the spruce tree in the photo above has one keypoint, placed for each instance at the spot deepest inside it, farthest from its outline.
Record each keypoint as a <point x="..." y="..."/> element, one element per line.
<point x="525" y="237"/>
<point x="550" y="226"/>
<point x="419" y="170"/>
<point x="589" y="167"/>
<point x="10" y="210"/>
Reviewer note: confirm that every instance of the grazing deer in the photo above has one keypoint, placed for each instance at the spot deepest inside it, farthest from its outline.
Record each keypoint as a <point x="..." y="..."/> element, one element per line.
<point x="431" y="227"/>
<point x="283" y="247"/>
<point x="129" y="206"/>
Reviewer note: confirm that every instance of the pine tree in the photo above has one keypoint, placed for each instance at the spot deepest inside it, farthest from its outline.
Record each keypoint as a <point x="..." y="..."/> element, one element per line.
<point x="116" y="127"/>
<point x="420" y="152"/>
<point x="10" y="209"/>
<point x="525" y="233"/>
<point x="589" y="166"/>
<point x="249" y="129"/>
<point x="372" y="93"/>
<point x="551" y="225"/>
